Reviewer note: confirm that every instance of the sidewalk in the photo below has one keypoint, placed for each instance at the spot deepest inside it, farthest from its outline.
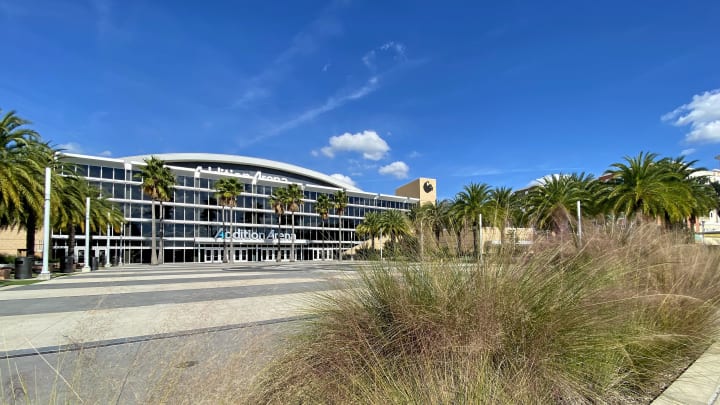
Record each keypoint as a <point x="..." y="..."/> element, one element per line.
<point x="699" y="384"/>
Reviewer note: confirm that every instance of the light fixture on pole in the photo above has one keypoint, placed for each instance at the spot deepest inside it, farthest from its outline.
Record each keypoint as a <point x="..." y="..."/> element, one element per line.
<point x="45" y="274"/>
<point x="86" y="266"/>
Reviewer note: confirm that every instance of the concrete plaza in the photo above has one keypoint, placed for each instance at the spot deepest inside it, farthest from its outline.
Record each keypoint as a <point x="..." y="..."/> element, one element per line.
<point x="130" y="319"/>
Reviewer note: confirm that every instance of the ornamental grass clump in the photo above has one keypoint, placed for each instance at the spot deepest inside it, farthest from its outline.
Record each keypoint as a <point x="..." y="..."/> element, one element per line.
<point x="614" y="321"/>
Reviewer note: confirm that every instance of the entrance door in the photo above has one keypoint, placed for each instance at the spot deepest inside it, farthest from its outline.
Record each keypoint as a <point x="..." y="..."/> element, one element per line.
<point x="213" y="255"/>
<point x="241" y="254"/>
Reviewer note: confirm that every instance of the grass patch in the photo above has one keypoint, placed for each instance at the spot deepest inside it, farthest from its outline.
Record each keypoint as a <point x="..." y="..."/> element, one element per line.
<point x="33" y="280"/>
<point x="26" y="281"/>
<point x="612" y="322"/>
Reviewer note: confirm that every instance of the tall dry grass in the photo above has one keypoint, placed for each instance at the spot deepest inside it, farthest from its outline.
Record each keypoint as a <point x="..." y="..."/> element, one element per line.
<point x="611" y="322"/>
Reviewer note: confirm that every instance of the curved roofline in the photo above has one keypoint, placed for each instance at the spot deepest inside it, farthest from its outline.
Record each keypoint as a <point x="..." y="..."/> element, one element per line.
<point x="242" y="160"/>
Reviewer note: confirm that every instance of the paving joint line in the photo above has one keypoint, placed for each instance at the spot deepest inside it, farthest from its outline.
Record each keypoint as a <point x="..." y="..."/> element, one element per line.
<point x="72" y="347"/>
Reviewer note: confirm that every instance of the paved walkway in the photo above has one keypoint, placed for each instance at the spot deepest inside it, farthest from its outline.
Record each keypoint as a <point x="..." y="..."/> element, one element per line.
<point x="142" y="334"/>
<point x="131" y="301"/>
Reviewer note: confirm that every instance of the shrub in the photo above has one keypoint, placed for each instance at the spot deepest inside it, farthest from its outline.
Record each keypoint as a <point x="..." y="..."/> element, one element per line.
<point x="7" y="259"/>
<point x="612" y="322"/>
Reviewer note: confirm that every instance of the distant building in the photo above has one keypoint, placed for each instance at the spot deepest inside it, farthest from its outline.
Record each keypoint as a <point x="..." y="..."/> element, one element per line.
<point x="191" y="226"/>
<point x="423" y="189"/>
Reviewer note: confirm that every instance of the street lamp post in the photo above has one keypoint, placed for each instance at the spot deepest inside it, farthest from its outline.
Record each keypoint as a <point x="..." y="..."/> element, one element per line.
<point x="45" y="274"/>
<point x="482" y="242"/>
<point x="86" y="266"/>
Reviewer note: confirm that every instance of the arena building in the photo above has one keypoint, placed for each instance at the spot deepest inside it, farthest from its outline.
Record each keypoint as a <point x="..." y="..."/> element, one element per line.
<point x="191" y="227"/>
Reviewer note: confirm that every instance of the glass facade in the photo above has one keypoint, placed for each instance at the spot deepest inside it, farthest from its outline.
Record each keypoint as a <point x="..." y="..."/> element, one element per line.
<point x="194" y="227"/>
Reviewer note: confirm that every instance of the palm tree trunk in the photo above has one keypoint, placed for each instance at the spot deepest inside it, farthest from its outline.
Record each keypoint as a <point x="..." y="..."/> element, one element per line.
<point x="324" y="239"/>
<point x="475" y="241"/>
<point x="459" y="242"/>
<point x="340" y="237"/>
<point x="225" y="233"/>
<point x="232" y="243"/>
<point x="71" y="241"/>
<point x="153" y="242"/>
<point x="277" y="240"/>
<point x="292" y="236"/>
<point x="30" y="235"/>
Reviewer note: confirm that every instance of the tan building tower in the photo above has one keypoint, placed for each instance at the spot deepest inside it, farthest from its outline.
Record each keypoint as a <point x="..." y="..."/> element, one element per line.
<point x="422" y="188"/>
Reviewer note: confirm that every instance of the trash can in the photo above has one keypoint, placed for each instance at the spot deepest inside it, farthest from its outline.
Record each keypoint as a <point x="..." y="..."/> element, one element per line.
<point x="23" y="267"/>
<point x="68" y="264"/>
<point x="94" y="264"/>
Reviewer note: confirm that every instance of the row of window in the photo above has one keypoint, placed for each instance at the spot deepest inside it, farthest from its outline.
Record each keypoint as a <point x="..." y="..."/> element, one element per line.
<point x="134" y="191"/>
<point x="168" y="230"/>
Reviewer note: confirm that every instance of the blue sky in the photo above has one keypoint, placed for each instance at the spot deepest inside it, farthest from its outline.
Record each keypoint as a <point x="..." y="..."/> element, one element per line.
<point x="380" y="92"/>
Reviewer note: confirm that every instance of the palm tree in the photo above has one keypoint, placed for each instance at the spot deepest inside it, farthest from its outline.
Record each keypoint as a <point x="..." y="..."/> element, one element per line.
<point x="322" y="207"/>
<point x="19" y="170"/>
<point x="469" y="204"/>
<point x="645" y="187"/>
<point x="501" y="204"/>
<point x="293" y="199"/>
<point x="456" y="222"/>
<point x="436" y="216"/>
<point x="277" y="202"/>
<point x="157" y="183"/>
<point x="396" y="224"/>
<point x="41" y="155"/>
<point x="703" y="196"/>
<point x="227" y="191"/>
<point x="340" y="202"/>
<point x="370" y="226"/>
<point x="551" y="203"/>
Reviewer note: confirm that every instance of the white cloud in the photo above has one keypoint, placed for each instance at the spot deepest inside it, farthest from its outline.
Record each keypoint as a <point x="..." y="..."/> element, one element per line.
<point x="344" y="179"/>
<point x="71" y="147"/>
<point x="414" y="154"/>
<point x="331" y="104"/>
<point x="251" y="95"/>
<point x="369" y="143"/>
<point x="397" y="169"/>
<point x="702" y="114"/>
<point x="542" y="180"/>
<point x="686" y="152"/>
<point x="74" y="147"/>
<point x="396" y="51"/>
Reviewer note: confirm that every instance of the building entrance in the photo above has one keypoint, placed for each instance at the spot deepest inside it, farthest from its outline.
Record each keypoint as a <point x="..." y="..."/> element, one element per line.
<point x="213" y="254"/>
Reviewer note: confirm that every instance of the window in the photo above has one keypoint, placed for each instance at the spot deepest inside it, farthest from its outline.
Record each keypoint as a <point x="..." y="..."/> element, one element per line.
<point x="94" y="171"/>
<point x="107" y="173"/>
<point x="119" y="174"/>
<point x="119" y="191"/>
